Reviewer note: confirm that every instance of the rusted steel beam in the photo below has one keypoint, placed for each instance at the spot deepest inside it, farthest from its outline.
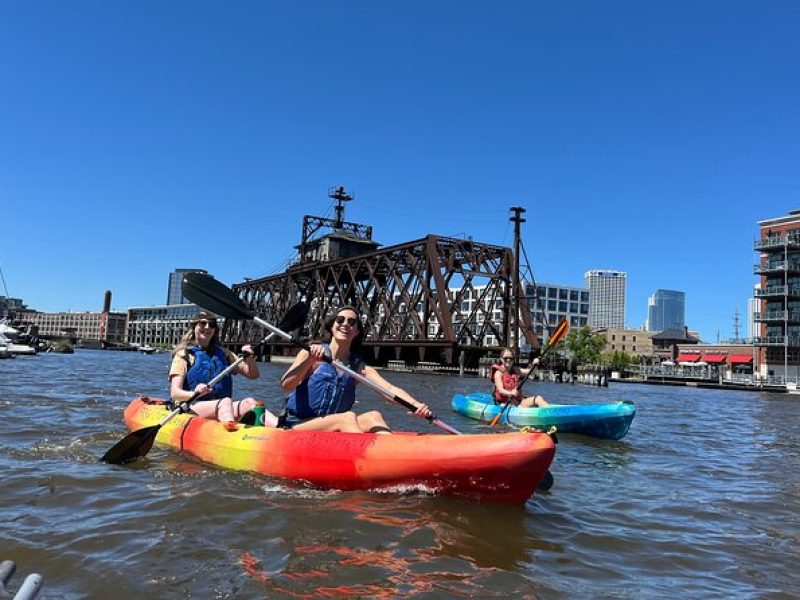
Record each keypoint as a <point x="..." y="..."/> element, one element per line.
<point x="436" y="295"/>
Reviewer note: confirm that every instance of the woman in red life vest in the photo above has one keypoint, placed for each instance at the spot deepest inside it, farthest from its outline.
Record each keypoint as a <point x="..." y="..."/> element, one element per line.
<point x="506" y="377"/>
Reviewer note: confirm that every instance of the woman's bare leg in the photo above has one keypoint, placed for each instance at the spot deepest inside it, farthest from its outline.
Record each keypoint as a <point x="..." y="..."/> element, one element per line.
<point x="339" y="422"/>
<point x="373" y="422"/>
<point x="530" y="401"/>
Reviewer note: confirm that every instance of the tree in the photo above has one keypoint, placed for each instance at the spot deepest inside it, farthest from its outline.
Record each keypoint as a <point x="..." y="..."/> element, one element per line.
<point x="585" y="345"/>
<point x="618" y="360"/>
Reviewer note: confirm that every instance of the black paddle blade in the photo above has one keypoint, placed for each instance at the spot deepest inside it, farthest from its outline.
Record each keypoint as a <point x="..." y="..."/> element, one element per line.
<point x="216" y="297"/>
<point x="294" y="317"/>
<point x="132" y="446"/>
<point x="547" y="482"/>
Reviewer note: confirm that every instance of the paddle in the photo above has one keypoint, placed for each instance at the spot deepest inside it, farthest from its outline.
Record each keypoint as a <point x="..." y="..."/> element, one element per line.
<point x="139" y="442"/>
<point x="559" y="333"/>
<point x="561" y="330"/>
<point x="205" y="291"/>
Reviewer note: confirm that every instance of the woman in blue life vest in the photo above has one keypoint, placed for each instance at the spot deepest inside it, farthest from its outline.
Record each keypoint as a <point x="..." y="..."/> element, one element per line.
<point x="321" y="398"/>
<point x="196" y="360"/>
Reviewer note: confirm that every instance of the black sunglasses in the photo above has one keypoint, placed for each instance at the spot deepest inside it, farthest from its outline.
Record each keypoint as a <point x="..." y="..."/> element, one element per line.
<point x="204" y="323"/>
<point x="350" y="320"/>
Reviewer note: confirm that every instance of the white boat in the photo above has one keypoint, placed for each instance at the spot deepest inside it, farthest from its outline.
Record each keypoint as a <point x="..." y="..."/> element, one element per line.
<point x="147" y="349"/>
<point x="8" y="337"/>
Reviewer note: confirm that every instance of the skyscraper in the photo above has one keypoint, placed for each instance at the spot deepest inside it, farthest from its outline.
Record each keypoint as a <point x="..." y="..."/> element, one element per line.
<point x="174" y="293"/>
<point x="606" y="297"/>
<point x="666" y="309"/>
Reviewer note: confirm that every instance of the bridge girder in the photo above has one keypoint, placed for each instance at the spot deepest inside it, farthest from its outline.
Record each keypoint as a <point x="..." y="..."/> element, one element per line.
<point x="403" y="293"/>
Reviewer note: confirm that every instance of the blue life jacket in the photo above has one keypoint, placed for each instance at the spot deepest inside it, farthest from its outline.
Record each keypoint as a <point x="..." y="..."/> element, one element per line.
<point x="205" y="368"/>
<point x="324" y="392"/>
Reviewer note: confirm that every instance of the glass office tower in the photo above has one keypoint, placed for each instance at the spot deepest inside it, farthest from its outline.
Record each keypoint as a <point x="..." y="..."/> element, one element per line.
<point x="666" y="309"/>
<point x="174" y="293"/>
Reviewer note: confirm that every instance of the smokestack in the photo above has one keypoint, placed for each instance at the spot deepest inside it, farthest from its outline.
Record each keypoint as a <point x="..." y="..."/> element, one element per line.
<point x="107" y="302"/>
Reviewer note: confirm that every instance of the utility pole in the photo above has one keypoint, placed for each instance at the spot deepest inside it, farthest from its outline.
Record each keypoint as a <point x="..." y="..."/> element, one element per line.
<point x="515" y="286"/>
<point x="736" y="324"/>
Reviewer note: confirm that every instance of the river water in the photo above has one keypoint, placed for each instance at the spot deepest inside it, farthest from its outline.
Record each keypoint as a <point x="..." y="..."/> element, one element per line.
<point x="701" y="499"/>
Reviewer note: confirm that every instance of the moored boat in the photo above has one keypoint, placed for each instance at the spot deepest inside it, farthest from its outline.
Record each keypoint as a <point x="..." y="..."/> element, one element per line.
<point x="610" y="420"/>
<point x="503" y="467"/>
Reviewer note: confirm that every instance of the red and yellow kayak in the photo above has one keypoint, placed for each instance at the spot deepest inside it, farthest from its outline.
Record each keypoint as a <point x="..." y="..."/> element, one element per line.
<point x="502" y="467"/>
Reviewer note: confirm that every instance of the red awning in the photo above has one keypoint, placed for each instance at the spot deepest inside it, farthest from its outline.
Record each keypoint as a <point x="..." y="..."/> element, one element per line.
<point x="741" y="359"/>
<point x="715" y="358"/>
<point x="688" y="357"/>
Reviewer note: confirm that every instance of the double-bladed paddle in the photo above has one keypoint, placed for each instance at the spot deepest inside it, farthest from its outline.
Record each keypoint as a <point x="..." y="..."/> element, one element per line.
<point x="560" y="331"/>
<point x="139" y="442"/>
<point x="205" y="291"/>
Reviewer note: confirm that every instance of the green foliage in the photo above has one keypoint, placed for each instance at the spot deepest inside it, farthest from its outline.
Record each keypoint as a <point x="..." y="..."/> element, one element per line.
<point x="585" y="345"/>
<point x="618" y="360"/>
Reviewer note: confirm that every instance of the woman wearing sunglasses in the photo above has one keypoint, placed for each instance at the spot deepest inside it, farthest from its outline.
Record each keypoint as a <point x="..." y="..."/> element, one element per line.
<point x="320" y="397"/>
<point x="196" y="360"/>
<point x="506" y="377"/>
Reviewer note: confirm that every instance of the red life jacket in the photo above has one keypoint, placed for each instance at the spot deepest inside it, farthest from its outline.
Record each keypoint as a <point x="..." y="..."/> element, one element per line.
<point x="510" y="382"/>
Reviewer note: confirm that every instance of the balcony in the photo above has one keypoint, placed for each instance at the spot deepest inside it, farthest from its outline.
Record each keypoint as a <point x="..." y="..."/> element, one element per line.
<point x="777" y="291"/>
<point x="777" y="341"/>
<point x="773" y="243"/>
<point x="778" y="316"/>
<point x="780" y="266"/>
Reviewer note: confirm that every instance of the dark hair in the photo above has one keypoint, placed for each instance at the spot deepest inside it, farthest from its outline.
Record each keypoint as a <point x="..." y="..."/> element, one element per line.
<point x="355" y="346"/>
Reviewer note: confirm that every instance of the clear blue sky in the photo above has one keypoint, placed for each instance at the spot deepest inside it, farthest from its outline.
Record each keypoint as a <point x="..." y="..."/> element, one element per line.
<point x="137" y="137"/>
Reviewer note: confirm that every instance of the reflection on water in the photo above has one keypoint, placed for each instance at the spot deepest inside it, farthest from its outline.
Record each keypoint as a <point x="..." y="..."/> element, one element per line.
<point x="702" y="496"/>
<point x="411" y="548"/>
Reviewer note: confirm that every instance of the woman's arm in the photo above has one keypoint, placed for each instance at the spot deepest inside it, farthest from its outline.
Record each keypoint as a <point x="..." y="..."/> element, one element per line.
<point x="299" y="370"/>
<point x="177" y="375"/>
<point x="248" y="367"/>
<point x="178" y="394"/>
<point x="375" y="377"/>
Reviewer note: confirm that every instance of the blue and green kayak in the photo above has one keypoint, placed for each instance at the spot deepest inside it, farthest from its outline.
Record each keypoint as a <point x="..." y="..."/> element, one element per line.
<point x="609" y="421"/>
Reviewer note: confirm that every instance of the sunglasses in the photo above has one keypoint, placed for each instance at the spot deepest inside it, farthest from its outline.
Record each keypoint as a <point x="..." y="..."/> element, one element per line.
<point x="508" y="358"/>
<point x="204" y="323"/>
<point x="352" y="321"/>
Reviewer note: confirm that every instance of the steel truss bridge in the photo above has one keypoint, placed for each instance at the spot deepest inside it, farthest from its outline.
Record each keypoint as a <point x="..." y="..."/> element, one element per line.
<point x="429" y="300"/>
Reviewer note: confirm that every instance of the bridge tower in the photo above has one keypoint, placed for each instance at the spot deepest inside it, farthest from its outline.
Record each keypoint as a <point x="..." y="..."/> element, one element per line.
<point x="430" y="299"/>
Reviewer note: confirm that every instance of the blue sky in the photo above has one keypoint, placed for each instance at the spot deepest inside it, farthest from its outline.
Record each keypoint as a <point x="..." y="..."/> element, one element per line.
<point x="137" y="137"/>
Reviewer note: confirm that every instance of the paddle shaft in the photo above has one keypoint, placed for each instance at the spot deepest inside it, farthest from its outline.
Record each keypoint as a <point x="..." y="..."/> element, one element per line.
<point x="381" y="391"/>
<point x="561" y="331"/>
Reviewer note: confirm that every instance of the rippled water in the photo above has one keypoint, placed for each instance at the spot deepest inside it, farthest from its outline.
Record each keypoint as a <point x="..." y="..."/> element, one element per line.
<point x="701" y="499"/>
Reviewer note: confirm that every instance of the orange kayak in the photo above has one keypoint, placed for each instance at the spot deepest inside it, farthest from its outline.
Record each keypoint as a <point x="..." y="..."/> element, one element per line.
<point x="501" y="467"/>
